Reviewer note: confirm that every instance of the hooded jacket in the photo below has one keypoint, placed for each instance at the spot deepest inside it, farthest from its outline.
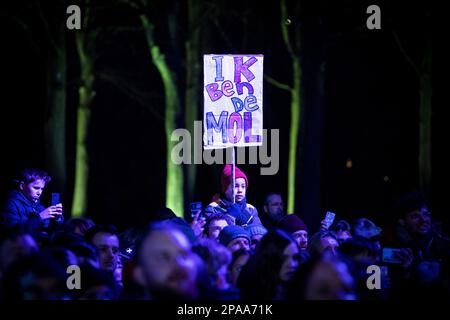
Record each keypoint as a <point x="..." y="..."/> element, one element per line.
<point x="241" y="213"/>
<point x="21" y="212"/>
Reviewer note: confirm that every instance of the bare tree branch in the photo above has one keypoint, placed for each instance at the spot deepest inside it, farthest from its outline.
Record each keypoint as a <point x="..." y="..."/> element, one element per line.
<point x="27" y="30"/>
<point x="222" y="32"/>
<point x="129" y="90"/>
<point x="284" y="28"/>
<point x="405" y="54"/>
<point x="47" y="30"/>
<point x="277" y="84"/>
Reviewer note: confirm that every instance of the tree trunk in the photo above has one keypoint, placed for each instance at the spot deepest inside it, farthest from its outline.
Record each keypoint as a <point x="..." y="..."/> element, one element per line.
<point x="55" y="129"/>
<point x="294" y="133"/>
<point x="86" y="95"/>
<point x="192" y="105"/>
<point x="174" y="178"/>
<point x="295" y="91"/>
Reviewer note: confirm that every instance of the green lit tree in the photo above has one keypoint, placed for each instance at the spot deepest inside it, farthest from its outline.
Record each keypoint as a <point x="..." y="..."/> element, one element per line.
<point x="291" y="39"/>
<point x="174" y="179"/>
<point x="179" y="182"/>
<point x="174" y="172"/>
<point x="84" y="40"/>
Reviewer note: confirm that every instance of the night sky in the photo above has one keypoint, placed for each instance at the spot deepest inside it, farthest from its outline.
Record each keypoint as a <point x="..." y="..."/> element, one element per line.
<point x="368" y="113"/>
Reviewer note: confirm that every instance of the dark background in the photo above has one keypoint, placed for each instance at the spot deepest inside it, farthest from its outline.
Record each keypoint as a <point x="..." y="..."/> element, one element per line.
<point x="369" y="110"/>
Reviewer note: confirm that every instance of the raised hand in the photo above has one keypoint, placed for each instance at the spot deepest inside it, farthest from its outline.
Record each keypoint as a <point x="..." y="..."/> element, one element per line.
<point x="242" y="218"/>
<point x="52" y="212"/>
<point x="198" y="224"/>
<point x="323" y="225"/>
<point x="406" y="256"/>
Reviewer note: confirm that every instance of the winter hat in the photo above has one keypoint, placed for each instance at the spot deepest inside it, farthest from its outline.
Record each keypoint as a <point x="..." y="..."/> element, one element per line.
<point x="164" y="214"/>
<point x="256" y="229"/>
<point x="292" y="223"/>
<point x="229" y="233"/>
<point x="409" y="202"/>
<point x="227" y="176"/>
<point x="366" y="229"/>
<point x="354" y="245"/>
<point x="182" y="226"/>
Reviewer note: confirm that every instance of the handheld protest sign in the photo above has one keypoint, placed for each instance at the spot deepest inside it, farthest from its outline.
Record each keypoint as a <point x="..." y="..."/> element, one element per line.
<point x="233" y="101"/>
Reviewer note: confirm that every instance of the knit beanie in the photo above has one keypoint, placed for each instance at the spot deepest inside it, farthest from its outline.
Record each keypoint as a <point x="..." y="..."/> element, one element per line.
<point x="292" y="223"/>
<point x="409" y="202"/>
<point x="229" y="233"/>
<point x="256" y="229"/>
<point x="227" y="176"/>
<point x="365" y="228"/>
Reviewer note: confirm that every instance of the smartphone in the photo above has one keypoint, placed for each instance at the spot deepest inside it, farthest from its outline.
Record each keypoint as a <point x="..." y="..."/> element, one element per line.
<point x="329" y="218"/>
<point x="56" y="198"/>
<point x="194" y="208"/>
<point x="390" y="256"/>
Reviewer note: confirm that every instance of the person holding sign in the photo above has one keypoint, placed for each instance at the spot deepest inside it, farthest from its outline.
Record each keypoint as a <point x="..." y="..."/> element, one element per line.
<point x="240" y="212"/>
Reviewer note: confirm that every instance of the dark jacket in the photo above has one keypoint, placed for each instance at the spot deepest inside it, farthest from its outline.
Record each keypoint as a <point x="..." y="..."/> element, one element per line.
<point x="430" y="252"/>
<point x="268" y="222"/>
<point x="241" y="213"/>
<point x="21" y="212"/>
<point x="432" y="247"/>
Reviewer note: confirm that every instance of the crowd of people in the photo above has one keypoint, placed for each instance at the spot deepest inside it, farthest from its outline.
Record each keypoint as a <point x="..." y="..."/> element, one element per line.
<point x="229" y="251"/>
